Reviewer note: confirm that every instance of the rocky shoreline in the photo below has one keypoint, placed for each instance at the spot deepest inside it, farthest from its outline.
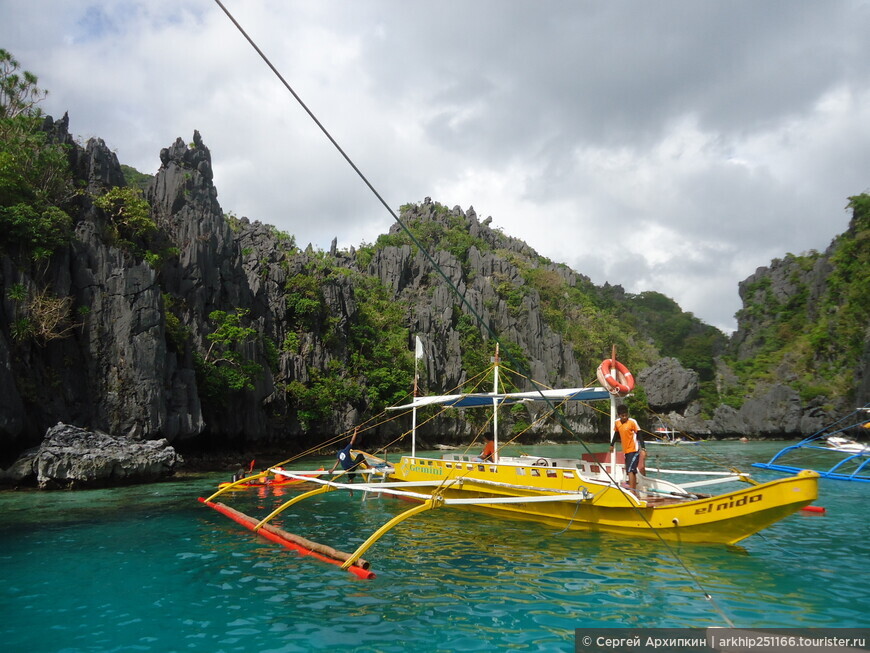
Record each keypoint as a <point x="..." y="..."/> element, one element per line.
<point x="72" y="458"/>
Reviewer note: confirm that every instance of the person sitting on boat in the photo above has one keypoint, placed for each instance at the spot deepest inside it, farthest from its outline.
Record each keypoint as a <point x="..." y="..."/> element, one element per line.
<point x="632" y="443"/>
<point x="277" y="477"/>
<point x="488" y="453"/>
<point x="243" y="473"/>
<point x="349" y="463"/>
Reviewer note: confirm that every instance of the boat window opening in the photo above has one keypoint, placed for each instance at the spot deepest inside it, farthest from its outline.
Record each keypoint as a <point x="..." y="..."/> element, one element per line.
<point x="469" y="466"/>
<point x="480" y="468"/>
<point x="567" y="474"/>
<point x="448" y="465"/>
<point x="535" y="472"/>
<point x="551" y="473"/>
<point x="492" y="469"/>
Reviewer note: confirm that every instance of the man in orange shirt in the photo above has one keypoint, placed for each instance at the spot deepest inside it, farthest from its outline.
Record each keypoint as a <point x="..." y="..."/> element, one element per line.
<point x="488" y="453"/>
<point x="632" y="443"/>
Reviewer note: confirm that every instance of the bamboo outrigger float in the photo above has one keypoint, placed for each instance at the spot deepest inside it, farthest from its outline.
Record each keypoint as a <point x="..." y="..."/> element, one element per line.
<point x="566" y="493"/>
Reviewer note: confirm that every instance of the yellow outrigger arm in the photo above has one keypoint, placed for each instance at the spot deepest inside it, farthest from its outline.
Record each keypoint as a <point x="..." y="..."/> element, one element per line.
<point x="246" y="479"/>
<point x="428" y="501"/>
<point x="434" y="502"/>
<point x="327" y="486"/>
<point x="287" y="504"/>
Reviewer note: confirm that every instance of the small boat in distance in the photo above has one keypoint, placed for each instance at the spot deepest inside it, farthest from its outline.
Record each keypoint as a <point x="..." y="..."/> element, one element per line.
<point x="845" y="444"/>
<point x="664" y="435"/>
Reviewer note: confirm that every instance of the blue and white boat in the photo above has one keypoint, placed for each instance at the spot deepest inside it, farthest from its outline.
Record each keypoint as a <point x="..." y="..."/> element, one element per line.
<point x="829" y="452"/>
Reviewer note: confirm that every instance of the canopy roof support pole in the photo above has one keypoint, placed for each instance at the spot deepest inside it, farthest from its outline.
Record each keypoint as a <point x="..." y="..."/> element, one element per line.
<point x="374" y="537"/>
<point x="414" y="432"/>
<point x="418" y="356"/>
<point x="613" y="472"/>
<point x="495" y="406"/>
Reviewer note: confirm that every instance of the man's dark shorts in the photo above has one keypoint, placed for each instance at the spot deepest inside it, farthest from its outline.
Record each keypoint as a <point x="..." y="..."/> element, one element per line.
<point x="631" y="461"/>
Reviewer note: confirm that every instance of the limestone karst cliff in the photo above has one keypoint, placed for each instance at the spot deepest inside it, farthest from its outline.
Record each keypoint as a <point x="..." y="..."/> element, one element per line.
<point x="210" y="330"/>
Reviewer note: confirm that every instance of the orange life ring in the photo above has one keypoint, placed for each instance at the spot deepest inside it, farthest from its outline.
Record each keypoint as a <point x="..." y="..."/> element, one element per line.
<point x="615" y="377"/>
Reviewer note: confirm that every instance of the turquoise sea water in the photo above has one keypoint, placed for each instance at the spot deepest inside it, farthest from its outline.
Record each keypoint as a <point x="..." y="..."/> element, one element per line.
<point x="148" y="568"/>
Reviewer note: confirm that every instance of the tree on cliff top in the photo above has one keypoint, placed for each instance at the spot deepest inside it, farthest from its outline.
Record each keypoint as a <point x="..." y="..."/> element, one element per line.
<point x="19" y="93"/>
<point x="35" y="176"/>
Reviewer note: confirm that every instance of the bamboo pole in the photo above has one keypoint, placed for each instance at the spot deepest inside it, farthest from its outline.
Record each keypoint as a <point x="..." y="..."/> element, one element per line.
<point x="284" y="537"/>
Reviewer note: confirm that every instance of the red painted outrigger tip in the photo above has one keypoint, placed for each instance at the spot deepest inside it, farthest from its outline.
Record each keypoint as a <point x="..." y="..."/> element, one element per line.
<point x="274" y="534"/>
<point x="817" y="509"/>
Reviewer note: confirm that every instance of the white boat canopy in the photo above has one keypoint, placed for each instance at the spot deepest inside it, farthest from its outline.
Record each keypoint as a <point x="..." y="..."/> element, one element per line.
<point x="487" y="399"/>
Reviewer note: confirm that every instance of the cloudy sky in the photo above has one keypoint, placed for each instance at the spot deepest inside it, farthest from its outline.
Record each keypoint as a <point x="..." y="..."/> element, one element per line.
<point x="673" y="146"/>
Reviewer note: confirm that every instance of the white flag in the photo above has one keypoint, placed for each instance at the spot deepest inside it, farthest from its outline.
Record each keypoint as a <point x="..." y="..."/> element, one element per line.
<point x="418" y="354"/>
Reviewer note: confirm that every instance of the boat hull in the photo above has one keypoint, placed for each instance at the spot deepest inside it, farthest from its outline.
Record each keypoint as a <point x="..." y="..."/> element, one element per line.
<point x="726" y="518"/>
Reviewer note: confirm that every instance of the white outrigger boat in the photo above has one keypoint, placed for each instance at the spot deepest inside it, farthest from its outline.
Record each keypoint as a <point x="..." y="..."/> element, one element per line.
<point x="838" y="443"/>
<point x="566" y="493"/>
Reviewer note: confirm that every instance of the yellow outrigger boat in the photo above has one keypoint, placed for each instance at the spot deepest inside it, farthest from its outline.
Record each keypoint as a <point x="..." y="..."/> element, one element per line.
<point x="585" y="493"/>
<point x="567" y="493"/>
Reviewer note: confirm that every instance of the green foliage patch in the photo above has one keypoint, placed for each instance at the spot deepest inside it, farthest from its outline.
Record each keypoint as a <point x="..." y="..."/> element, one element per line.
<point x="818" y="336"/>
<point x="225" y="368"/>
<point x="36" y="184"/>
<point x="136" y="179"/>
<point x="370" y="366"/>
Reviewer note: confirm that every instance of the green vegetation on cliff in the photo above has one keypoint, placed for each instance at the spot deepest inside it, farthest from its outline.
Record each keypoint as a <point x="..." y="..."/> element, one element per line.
<point x="36" y="186"/>
<point x="814" y="334"/>
<point x="224" y="367"/>
<point x="136" y="179"/>
<point x="839" y="336"/>
<point x="680" y="335"/>
<point x="368" y="363"/>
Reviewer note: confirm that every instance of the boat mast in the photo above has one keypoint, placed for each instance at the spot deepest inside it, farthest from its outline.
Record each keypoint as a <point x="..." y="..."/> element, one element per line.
<point x="418" y="354"/>
<point x="612" y="417"/>
<point x="495" y="360"/>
